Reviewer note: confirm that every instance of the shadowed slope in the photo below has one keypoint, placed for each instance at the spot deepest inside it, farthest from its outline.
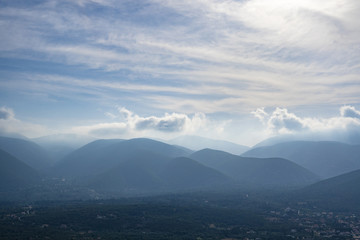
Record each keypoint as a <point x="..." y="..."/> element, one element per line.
<point x="256" y="171"/>
<point x="14" y="173"/>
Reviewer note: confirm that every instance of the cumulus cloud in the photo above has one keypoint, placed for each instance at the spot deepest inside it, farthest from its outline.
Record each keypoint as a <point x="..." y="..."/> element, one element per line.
<point x="260" y="114"/>
<point x="282" y="121"/>
<point x="133" y="125"/>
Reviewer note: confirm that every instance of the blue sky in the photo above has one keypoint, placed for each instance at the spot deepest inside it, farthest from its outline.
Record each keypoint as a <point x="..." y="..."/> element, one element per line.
<point x="234" y="70"/>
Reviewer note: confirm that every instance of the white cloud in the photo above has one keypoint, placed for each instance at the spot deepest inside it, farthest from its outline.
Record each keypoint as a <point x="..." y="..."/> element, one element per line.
<point x="260" y="114"/>
<point x="281" y="121"/>
<point x="133" y="125"/>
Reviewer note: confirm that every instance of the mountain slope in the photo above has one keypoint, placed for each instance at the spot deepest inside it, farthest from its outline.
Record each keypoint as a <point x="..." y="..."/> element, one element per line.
<point x="327" y="159"/>
<point x="340" y="192"/>
<point x="197" y="143"/>
<point x="102" y="155"/>
<point x="134" y="175"/>
<point x="27" y="152"/>
<point x="14" y="173"/>
<point x="256" y="171"/>
<point x="185" y="173"/>
<point x="157" y="173"/>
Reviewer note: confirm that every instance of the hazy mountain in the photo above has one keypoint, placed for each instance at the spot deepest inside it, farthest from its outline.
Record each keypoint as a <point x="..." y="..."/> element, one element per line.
<point x="60" y="145"/>
<point x="256" y="171"/>
<point x="338" y="192"/>
<point x="326" y="159"/>
<point x="185" y="173"/>
<point x="14" y="173"/>
<point x="138" y="173"/>
<point x="102" y="155"/>
<point x="27" y="152"/>
<point x="157" y="173"/>
<point x="348" y="137"/>
<point x="197" y="143"/>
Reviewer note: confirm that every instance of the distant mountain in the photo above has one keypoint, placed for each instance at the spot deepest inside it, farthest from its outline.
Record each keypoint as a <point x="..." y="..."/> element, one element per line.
<point x="102" y="155"/>
<point x="157" y="173"/>
<point x="351" y="137"/>
<point x="14" y="173"/>
<point x="256" y="171"/>
<point x="326" y="159"/>
<point x="197" y="143"/>
<point x="27" y="152"/>
<point x="340" y="192"/>
<point x="60" y="145"/>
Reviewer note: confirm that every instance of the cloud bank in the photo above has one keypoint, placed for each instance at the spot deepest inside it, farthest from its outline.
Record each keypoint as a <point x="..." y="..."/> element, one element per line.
<point x="129" y="124"/>
<point x="281" y="121"/>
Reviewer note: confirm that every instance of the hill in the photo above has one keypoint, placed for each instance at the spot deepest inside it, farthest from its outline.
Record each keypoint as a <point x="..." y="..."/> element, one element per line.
<point x="326" y="159"/>
<point x="156" y="174"/>
<point x="27" y="152"/>
<point x="102" y="155"/>
<point x="256" y="171"/>
<point x="197" y="143"/>
<point x="136" y="174"/>
<point x="340" y="192"/>
<point x="14" y="173"/>
<point x="185" y="173"/>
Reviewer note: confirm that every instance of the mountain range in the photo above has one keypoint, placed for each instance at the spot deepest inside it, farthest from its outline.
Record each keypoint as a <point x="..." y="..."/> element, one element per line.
<point x="101" y="155"/>
<point x="256" y="171"/>
<point x="326" y="159"/>
<point x="197" y="143"/>
<point x="26" y="151"/>
<point x="146" y="166"/>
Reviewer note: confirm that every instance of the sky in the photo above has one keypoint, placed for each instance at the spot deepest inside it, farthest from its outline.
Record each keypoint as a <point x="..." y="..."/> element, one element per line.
<point x="237" y="70"/>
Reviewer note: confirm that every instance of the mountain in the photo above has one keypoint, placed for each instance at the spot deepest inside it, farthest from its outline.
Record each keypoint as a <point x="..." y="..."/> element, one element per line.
<point x="185" y="173"/>
<point x="197" y="143"/>
<point x="27" y="152"/>
<point x="340" y="192"/>
<point x="14" y="173"/>
<point x="102" y="155"/>
<point x="256" y="171"/>
<point x="326" y="159"/>
<point x="351" y="137"/>
<point x="138" y="173"/>
<point x="157" y="173"/>
<point x="60" y="145"/>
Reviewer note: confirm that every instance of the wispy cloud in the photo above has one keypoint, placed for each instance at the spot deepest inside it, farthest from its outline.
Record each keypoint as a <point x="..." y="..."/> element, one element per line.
<point x="208" y="56"/>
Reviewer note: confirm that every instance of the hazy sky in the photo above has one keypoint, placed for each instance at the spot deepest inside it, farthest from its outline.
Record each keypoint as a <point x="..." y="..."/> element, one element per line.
<point x="235" y="70"/>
